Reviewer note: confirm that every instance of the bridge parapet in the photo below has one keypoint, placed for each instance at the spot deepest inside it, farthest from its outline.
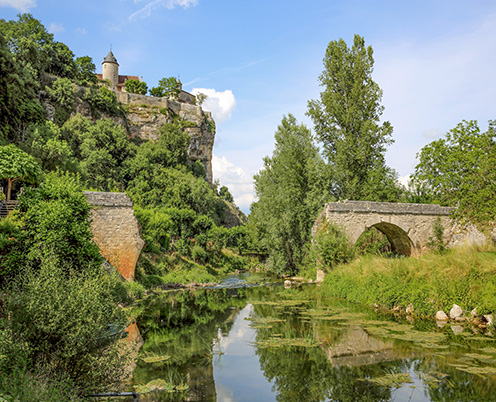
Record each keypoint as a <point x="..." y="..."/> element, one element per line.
<point x="388" y="208"/>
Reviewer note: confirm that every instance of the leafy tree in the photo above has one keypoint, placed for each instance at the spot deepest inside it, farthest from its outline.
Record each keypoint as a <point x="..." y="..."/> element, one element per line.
<point x="225" y="194"/>
<point x="62" y="94"/>
<point x="16" y="164"/>
<point x="346" y="119"/>
<point x="136" y="87"/>
<point x="289" y="188"/>
<point x="458" y="170"/>
<point x="100" y="149"/>
<point x="166" y="87"/>
<point x="56" y="223"/>
<point x="34" y="48"/>
<point x="85" y="70"/>
<point x="19" y="104"/>
<point x="45" y="143"/>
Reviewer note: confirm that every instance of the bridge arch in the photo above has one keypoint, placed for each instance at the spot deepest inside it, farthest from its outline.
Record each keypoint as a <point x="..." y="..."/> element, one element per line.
<point x="397" y="237"/>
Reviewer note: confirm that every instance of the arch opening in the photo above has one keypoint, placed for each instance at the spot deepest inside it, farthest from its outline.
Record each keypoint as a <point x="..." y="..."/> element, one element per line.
<point x="398" y="239"/>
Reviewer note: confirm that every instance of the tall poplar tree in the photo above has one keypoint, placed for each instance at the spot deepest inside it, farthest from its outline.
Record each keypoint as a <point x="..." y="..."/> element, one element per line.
<point x="291" y="192"/>
<point x="347" y="121"/>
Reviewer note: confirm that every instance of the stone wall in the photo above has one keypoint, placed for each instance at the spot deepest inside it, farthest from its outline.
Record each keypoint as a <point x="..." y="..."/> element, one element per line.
<point x="115" y="230"/>
<point x="409" y="227"/>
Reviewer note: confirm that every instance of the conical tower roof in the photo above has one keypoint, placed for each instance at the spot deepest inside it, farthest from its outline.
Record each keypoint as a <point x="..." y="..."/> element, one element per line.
<point x="110" y="58"/>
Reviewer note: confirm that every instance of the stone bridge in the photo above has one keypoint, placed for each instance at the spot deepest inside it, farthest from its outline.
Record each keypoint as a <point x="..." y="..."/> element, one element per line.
<point x="115" y="230"/>
<point x="408" y="227"/>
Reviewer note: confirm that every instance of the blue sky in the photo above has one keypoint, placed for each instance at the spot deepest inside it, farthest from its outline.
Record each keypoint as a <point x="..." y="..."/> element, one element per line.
<point x="258" y="60"/>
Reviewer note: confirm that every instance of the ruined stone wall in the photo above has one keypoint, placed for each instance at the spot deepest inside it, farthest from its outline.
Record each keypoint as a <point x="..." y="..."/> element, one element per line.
<point x="115" y="230"/>
<point x="396" y="220"/>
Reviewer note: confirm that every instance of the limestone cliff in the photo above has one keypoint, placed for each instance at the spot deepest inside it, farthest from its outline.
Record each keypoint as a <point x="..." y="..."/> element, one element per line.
<point x="146" y="114"/>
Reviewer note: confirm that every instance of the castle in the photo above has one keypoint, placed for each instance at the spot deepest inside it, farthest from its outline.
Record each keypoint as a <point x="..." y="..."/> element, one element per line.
<point x="110" y="72"/>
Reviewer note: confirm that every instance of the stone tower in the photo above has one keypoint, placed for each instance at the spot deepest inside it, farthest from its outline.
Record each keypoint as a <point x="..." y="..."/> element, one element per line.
<point x="110" y="69"/>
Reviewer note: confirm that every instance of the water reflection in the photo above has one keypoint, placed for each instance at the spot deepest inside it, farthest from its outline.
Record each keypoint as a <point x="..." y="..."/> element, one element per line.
<point x="272" y="344"/>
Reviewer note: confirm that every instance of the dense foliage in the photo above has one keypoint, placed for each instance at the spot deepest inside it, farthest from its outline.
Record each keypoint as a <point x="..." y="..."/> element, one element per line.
<point x="459" y="170"/>
<point x="289" y="188"/>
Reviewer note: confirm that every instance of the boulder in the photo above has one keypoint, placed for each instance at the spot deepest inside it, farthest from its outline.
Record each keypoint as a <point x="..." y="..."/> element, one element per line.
<point x="441" y="316"/>
<point x="455" y="312"/>
<point x="457" y="329"/>
<point x="489" y="319"/>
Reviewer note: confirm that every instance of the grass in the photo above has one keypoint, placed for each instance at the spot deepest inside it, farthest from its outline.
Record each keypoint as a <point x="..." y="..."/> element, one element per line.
<point x="463" y="276"/>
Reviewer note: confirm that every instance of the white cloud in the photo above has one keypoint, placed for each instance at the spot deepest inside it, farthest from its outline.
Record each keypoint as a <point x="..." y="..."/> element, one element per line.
<point x="432" y="133"/>
<point x="146" y="11"/>
<point x="54" y="27"/>
<point x="21" y="5"/>
<point x="239" y="183"/>
<point x="221" y="104"/>
<point x="404" y="180"/>
<point x="81" y="31"/>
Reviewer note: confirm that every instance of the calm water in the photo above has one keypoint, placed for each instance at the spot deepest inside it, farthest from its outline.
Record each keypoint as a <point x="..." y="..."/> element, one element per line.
<point x="268" y="343"/>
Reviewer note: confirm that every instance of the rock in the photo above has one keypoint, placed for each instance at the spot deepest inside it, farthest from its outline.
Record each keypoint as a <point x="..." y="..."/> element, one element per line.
<point x="456" y="311"/>
<point x="473" y="313"/>
<point x="489" y="319"/>
<point x="460" y="319"/>
<point x="441" y="316"/>
<point x="457" y="329"/>
<point x="310" y="280"/>
<point x="320" y="276"/>
<point x="441" y="324"/>
<point x="409" y="309"/>
<point x="287" y="284"/>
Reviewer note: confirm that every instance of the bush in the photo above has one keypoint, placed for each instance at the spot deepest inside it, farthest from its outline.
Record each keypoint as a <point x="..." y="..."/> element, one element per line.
<point x="198" y="254"/>
<point x="67" y="324"/>
<point x="332" y="246"/>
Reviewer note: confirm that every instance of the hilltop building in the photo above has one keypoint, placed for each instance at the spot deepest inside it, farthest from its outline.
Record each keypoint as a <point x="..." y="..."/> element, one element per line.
<point x="110" y="72"/>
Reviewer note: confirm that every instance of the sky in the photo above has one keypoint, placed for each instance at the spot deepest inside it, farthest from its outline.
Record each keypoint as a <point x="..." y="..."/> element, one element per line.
<point x="259" y="60"/>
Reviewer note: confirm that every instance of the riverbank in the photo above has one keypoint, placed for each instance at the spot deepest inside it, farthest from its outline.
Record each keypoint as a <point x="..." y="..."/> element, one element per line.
<point x="425" y="285"/>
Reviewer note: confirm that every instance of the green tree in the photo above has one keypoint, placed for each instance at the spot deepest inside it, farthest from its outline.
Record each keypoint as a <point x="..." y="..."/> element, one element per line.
<point x="16" y="164"/>
<point x="61" y="93"/>
<point x="85" y="70"/>
<point x="45" y="143"/>
<point x="136" y="87"/>
<point x="166" y="87"/>
<point x="225" y="194"/>
<point x="100" y="149"/>
<point x="19" y="104"/>
<point x="347" y="121"/>
<point x="289" y="191"/>
<point x="459" y="170"/>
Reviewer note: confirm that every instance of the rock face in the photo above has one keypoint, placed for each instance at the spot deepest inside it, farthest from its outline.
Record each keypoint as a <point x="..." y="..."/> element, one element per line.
<point x="115" y="230"/>
<point x="147" y="114"/>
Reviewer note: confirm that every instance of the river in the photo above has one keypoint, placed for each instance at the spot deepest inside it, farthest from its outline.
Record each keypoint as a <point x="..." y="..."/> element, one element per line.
<point x="267" y="343"/>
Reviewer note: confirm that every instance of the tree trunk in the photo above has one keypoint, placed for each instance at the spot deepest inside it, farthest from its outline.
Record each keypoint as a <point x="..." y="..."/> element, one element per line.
<point x="9" y="187"/>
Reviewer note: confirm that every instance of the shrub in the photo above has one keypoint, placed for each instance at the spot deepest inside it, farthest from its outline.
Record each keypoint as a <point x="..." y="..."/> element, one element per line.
<point x="198" y="254"/>
<point x="67" y="324"/>
<point x="332" y="246"/>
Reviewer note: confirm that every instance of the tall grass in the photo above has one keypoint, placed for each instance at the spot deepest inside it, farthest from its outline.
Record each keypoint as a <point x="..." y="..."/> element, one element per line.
<point x="465" y="276"/>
